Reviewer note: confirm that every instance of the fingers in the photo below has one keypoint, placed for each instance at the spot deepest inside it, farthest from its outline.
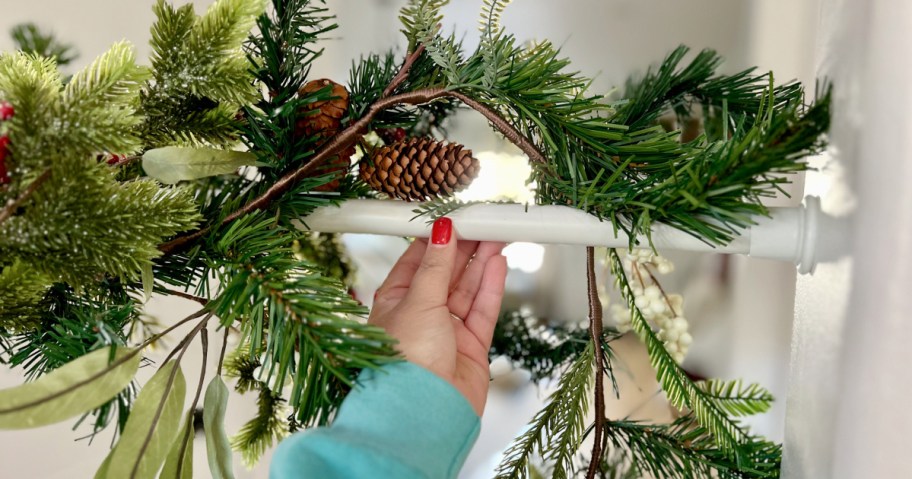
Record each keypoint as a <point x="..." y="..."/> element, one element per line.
<point x="404" y="269"/>
<point x="431" y="283"/>
<point x="486" y="308"/>
<point x="465" y="252"/>
<point x="464" y="294"/>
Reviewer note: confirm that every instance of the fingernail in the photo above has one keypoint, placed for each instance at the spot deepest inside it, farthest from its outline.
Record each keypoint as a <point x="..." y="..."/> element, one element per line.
<point x="442" y="230"/>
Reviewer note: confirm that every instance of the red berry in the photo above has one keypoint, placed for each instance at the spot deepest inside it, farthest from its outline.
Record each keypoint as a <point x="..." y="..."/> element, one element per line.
<point x="399" y="134"/>
<point x="4" y="173"/>
<point x="6" y="111"/>
<point x="114" y="159"/>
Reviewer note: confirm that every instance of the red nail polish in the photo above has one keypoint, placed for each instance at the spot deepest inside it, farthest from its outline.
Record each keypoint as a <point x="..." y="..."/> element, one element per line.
<point x="442" y="230"/>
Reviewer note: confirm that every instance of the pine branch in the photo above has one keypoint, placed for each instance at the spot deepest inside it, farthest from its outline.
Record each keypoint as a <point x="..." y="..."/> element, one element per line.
<point x="491" y="31"/>
<point x="680" y="390"/>
<point x="296" y="321"/>
<point x="685" y="450"/>
<point x="264" y="430"/>
<point x="557" y="429"/>
<point x="14" y="205"/>
<point x="443" y="206"/>
<point x="241" y="365"/>
<point x="28" y="38"/>
<point x="200" y="74"/>
<point x="21" y="291"/>
<point x="67" y="326"/>
<point x="737" y="399"/>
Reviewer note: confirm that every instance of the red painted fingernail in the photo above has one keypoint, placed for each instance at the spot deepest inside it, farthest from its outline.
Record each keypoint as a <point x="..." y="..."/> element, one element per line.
<point x="443" y="229"/>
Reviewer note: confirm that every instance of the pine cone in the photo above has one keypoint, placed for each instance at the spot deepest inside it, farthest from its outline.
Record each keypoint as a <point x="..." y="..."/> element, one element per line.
<point x="420" y="168"/>
<point x="327" y="120"/>
<point x="339" y="166"/>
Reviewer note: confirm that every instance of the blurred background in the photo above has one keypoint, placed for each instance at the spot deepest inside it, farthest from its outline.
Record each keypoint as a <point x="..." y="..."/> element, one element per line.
<point x="741" y="310"/>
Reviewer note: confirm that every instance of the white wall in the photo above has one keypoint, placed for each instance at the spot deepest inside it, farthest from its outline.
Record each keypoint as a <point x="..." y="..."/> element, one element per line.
<point x="848" y="403"/>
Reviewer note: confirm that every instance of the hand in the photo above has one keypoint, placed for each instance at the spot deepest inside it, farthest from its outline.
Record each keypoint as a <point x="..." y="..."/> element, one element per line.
<point x="441" y="301"/>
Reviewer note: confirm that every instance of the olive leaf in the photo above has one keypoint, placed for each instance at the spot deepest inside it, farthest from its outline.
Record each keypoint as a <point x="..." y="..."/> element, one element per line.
<point x="102" y="472"/>
<point x="179" y="463"/>
<point x="152" y="427"/>
<point x="173" y="164"/>
<point x="218" y="448"/>
<point x="72" y="389"/>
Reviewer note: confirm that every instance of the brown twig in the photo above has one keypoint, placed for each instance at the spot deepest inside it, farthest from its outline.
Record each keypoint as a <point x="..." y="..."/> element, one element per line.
<point x="354" y="132"/>
<point x="181" y="294"/>
<point x="204" y="339"/>
<point x="12" y="205"/>
<point x="125" y="161"/>
<point x="161" y="405"/>
<point x="595" y="331"/>
<point x="403" y="72"/>
<point x="221" y="360"/>
<point x="348" y="137"/>
<point x="661" y="290"/>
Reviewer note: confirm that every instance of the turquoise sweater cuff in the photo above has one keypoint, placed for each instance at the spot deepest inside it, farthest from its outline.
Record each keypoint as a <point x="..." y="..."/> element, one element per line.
<point x="400" y="421"/>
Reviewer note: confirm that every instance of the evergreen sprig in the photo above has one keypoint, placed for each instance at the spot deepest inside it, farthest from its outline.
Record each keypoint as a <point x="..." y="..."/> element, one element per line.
<point x="536" y="347"/>
<point x="680" y="390"/>
<point x="296" y="321"/>
<point x="28" y="38"/>
<point x="70" y="325"/>
<point x="63" y="228"/>
<point x="200" y="74"/>
<point x="280" y="54"/>
<point x="557" y="430"/>
<point x="736" y="398"/>
<point x="686" y="450"/>
<point x="266" y="428"/>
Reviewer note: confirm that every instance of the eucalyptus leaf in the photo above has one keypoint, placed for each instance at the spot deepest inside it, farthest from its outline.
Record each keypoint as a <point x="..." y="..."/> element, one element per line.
<point x="181" y="454"/>
<point x="70" y="390"/>
<point x="218" y="447"/>
<point x="173" y="164"/>
<point x="102" y="472"/>
<point x="148" y="435"/>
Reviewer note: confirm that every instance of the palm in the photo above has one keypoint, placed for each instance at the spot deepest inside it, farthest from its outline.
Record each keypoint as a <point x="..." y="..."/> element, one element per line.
<point x="447" y="332"/>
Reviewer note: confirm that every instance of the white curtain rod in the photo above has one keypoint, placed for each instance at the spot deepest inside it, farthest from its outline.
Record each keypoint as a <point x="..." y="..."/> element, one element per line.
<point x="803" y="235"/>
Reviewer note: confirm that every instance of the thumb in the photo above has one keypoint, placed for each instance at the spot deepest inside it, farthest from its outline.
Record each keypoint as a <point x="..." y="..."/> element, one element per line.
<point x="431" y="282"/>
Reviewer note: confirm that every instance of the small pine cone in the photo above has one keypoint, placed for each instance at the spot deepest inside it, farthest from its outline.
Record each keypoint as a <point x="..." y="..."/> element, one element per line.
<point x="326" y="121"/>
<point x="339" y="167"/>
<point x="420" y="168"/>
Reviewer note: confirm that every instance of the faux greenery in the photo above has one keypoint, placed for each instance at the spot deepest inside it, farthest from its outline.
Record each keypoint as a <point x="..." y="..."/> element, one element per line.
<point x="124" y="181"/>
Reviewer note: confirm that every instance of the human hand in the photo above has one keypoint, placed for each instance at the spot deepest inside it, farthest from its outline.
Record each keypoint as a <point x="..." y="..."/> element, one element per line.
<point x="441" y="301"/>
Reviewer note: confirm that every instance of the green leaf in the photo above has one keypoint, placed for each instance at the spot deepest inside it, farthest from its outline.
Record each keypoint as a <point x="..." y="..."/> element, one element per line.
<point x="102" y="472"/>
<point x="76" y="388"/>
<point x="218" y="448"/>
<point x="181" y="453"/>
<point x="172" y="164"/>
<point x="152" y="426"/>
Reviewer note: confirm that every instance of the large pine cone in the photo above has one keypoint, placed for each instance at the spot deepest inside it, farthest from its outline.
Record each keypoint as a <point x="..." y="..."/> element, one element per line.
<point x="327" y="120"/>
<point x="420" y="168"/>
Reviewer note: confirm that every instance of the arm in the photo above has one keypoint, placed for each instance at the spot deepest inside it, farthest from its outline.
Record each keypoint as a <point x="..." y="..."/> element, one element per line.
<point x="415" y="419"/>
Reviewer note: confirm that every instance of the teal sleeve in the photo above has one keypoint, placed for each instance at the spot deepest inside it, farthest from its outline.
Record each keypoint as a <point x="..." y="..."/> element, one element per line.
<point x="401" y="421"/>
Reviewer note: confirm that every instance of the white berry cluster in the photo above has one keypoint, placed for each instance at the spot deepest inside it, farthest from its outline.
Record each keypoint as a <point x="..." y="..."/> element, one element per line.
<point x="665" y="312"/>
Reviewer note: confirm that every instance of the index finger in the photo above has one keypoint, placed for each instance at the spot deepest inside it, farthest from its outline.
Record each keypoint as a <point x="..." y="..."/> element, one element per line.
<point x="404" y="270"/>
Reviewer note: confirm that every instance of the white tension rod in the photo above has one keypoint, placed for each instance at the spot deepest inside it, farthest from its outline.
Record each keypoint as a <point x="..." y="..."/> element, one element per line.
<point x="803" y="235"/>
